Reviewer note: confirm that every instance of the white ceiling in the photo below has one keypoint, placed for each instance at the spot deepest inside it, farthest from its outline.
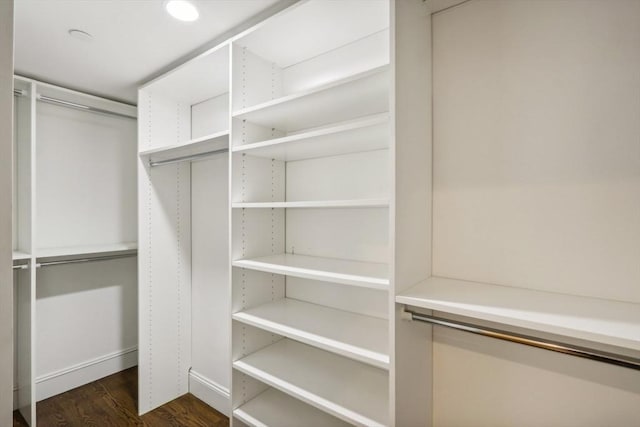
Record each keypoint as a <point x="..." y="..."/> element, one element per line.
<point x="133" y="40"/>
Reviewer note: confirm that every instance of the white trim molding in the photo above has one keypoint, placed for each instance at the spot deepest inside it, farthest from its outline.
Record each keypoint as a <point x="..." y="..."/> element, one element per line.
<point x="83" y="373"/>
<point x="210" y="392"/>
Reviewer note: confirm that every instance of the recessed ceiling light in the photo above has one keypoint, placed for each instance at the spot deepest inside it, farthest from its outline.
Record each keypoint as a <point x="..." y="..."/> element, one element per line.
<point x="182" y="10"/>
<point x="80" y="35"/>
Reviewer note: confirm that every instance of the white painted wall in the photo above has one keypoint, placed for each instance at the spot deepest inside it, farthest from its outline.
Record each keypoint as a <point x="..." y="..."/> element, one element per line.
<point x="536" y="184"/>
<point x="87" y="316"/>
<point x="6" y="143"/>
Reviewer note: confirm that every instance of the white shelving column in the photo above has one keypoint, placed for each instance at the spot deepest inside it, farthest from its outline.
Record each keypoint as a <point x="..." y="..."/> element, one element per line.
<point x="411" y="394"/>
<point x="23" y="244"/>
<point x="184" y="115"/>
<point x="310" y="195"/>
<point x="52" y="221"/>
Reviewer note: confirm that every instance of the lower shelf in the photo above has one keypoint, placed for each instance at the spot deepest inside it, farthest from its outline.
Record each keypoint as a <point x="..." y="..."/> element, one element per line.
<point x="275" y="409"/>
<point x="350" y="390"/>
<point x="359" y="337"/>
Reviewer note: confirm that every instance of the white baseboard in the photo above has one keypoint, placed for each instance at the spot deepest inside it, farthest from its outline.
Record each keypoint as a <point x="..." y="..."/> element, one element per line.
<point x="74" y="376"/>
<point x="210" y="392"/>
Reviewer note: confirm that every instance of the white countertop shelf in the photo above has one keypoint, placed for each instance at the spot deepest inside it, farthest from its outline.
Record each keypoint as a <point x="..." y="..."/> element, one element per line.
<point x="363" y="134"/>
<point x="352" y="335"/>
<point x="213" y="142"/>
<point x="362" y="94"/>
<point x="90" y="250"/>
<point x="350" y="390"/>
<point x="19" y="256"/>
<point x="354" y="273"/>
<point x="273" y="408"/>
<point x="356" y="203"/>
<point x="602" y="321"/>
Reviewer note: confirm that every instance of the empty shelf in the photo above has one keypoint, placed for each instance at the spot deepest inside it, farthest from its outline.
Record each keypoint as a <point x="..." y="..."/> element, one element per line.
<point x="350" y="390"/>
<point x="597" y="320"/>
<point x="275" y="409"/>
<point x="359" y="337"/>
<point x="113" y="248"/>
<point x="213" y="142"/>
<point x="355" y="273"/>
<point x="362" y="203"/>
<point x="366" y="134"/>
<point x="17" y="255"/>
<point x="360" y="95"/>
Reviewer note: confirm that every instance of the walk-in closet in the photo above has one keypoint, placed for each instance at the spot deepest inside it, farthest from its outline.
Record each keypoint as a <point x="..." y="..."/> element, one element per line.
<point x="330" y="213"/>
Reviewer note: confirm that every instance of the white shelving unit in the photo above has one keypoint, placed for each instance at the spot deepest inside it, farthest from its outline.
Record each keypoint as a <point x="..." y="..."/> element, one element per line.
<point x="301" y="371"/>
<point x="311" y="142"/>
<point x="315" y="140"/>
<point x="183" y="215"/>
<point x="67" y="211"/>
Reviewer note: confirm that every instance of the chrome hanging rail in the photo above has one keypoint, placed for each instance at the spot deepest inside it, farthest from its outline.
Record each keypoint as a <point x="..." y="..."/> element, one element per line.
<point x="556" y="346"/>
<point x="21" y="267"/>
<point x="82" y="107"/>
<point x="187" y="158"/>
<point x="75" y="105"/>
<point x="83" y="260"/>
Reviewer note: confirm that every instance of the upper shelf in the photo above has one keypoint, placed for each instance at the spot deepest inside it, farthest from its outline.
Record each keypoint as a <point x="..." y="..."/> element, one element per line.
<point x="364" y="134"/>
<point x="205" y="144"/>
<point x="203" y="77"/>
<point x="319" y="378"/>
<point x="356" y="336"/>
<point x="597" y="320"/>
<point x="91" y="250"/>
<point x="359" y="95"/>
<point x="349" y="21"/>
<point x="355" y="273"/>
<point x="18" y="256"/>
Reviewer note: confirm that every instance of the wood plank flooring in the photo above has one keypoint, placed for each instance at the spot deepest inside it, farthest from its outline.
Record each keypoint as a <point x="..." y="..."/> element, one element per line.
<point x="112" y="402"/>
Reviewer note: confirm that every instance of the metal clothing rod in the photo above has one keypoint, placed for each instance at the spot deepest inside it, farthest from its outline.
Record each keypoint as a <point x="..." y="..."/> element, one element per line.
<point x="570" y="349"/>
<point x="21" y="267"/>
<point x="82" y="107"/>
<point x="81" y="260"/>
<point x="185" y="158"/>
<point x="18" y="92"/>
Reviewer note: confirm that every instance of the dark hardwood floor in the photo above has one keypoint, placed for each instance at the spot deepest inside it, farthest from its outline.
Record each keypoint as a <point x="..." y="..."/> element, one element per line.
<point x="112" y="402"/>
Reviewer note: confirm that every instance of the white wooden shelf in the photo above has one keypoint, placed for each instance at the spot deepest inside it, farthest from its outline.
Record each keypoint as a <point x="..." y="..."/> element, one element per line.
<point x="597" y="320"/>
<point x="215" y="141"/>
<point x="364" y="134"/>
<point x="358" y="337"/>
<point x="18" y="256"/>
<point x="273" y="408"/>
<point x="356" y="96"/>
<point x="354" y="273"/>
<point x="91" y="250"/>
<point x="350" y="390"/>
<point x="363" y="203"/>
